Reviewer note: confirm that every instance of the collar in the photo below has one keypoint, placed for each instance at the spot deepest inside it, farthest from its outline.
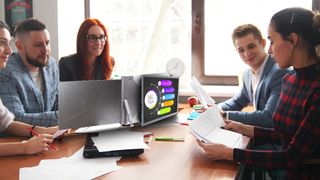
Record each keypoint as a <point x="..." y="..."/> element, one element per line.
<point x="309" y="72"/>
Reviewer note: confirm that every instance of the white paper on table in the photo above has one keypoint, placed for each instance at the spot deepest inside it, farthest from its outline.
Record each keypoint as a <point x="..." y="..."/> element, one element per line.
<point x="119" y="140"/>
<point x="73" y="167"/>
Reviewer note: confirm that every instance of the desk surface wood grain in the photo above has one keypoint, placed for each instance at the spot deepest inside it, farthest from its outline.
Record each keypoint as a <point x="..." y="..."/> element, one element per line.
<point x="164" y="160"/>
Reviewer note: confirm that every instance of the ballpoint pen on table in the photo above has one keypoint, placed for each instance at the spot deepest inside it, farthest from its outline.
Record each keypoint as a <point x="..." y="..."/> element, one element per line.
<point x="184" y="123"/>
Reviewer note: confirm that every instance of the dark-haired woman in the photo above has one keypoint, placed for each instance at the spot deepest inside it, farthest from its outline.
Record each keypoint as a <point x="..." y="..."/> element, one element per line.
<point x="294" y="34"/>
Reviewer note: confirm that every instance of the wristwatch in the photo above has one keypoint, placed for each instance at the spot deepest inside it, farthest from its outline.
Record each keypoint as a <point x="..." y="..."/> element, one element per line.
<point x="224" y="114"/>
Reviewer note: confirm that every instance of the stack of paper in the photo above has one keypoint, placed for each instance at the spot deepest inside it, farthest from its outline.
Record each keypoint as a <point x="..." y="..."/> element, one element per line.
<point x="74" y="167"/>
<point x="207" y="127"/>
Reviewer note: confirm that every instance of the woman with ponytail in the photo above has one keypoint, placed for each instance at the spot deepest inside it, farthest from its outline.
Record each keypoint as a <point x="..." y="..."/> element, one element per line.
<point x="294" y="35"/>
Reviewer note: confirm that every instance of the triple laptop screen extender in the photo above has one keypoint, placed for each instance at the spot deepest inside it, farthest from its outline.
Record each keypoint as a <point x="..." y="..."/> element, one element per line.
<point x="134" y="100"/>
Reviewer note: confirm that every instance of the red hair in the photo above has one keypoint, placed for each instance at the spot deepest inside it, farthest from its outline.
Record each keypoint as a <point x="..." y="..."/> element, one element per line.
<point x="106" y="62"/>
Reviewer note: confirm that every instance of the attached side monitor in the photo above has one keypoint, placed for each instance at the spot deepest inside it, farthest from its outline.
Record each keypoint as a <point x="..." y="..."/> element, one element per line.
<point x="131" y="106"/>
<point x="89" y="103"/>
<point x="159" y="97"/>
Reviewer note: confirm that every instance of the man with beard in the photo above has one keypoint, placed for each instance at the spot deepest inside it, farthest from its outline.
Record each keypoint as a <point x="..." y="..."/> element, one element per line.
<point x="29" y="83"/>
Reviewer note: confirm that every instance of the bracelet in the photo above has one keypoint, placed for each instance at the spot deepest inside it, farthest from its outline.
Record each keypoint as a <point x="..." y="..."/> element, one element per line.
<point x="31" y="134"/>
<point x="225" y="115"/>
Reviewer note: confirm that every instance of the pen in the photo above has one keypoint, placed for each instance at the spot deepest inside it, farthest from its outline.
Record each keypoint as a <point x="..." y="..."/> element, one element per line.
<point x="185" y="124"/>
<point x="37" y="134"/>
<point x="169" y="139"/>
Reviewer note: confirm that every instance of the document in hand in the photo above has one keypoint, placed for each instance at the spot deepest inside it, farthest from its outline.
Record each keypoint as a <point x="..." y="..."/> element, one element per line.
<point x="207" y="127"/>
<point x="203" y="96"/>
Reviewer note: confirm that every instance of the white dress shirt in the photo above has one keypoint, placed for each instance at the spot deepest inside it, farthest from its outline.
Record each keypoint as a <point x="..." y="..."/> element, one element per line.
<point x="255" y="79"/>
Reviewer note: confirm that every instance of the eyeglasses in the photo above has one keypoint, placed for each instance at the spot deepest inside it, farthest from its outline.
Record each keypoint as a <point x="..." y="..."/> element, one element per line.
<point x="93" y="38"/>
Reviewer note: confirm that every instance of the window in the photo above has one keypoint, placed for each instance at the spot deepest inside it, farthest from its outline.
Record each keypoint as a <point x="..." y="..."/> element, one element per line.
<point x="216" y="61"/>
<point x="145" y="34"/>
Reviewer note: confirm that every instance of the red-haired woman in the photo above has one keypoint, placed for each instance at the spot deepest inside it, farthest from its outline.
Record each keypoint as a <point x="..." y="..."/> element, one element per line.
<point x="92" y="60"/>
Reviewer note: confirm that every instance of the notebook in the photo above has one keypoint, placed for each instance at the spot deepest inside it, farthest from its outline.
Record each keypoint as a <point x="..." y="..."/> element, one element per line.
<point x="91" y="151"/>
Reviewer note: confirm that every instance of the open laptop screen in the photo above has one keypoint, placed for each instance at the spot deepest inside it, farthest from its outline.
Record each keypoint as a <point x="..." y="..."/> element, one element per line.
<point x="159" y="97"/>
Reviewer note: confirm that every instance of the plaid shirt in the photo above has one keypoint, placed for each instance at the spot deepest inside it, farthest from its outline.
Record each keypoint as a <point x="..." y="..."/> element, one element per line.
<point x="296" y="127"/>
<point x="22" y="96"/>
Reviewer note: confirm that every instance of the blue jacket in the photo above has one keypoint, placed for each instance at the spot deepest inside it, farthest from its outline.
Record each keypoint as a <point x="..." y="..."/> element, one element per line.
<point x="267" y="96"/>
<point x="23" y="98"/>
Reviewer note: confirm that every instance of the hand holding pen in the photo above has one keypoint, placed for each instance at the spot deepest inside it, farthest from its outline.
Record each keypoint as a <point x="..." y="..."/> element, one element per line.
<point x="46" y="142"/>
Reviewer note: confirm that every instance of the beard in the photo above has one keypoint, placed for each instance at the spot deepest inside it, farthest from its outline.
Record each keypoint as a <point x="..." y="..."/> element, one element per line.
<point x="37" y="62"/>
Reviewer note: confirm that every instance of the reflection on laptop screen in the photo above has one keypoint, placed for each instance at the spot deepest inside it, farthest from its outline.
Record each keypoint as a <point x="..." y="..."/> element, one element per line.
<point x="159" y="98"/>
<point x="89" y="103"/>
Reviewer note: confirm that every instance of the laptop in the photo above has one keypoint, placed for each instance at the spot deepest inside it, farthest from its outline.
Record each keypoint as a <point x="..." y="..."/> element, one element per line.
<point x="91" y="151"/>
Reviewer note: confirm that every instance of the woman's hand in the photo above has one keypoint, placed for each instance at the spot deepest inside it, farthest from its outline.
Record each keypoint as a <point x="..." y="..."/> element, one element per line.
<point x="216" y="151"/>
<point x="36" y="144"/>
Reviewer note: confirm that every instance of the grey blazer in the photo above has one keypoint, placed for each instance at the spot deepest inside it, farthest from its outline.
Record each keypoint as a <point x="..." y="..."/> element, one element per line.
<point x="23" y="98"/>
<point x="267" y="96"/>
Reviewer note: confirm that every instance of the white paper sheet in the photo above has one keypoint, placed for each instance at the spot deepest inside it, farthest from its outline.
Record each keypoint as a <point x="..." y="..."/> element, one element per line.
<point x="203" y="96"/>
<point x="74" y="167"/>
<point x="119" y="139"/>
<point x="207" y="127"/>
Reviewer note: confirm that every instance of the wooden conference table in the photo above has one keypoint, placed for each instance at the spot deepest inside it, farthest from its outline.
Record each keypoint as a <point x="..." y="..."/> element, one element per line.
<point x="164" y="160"/>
